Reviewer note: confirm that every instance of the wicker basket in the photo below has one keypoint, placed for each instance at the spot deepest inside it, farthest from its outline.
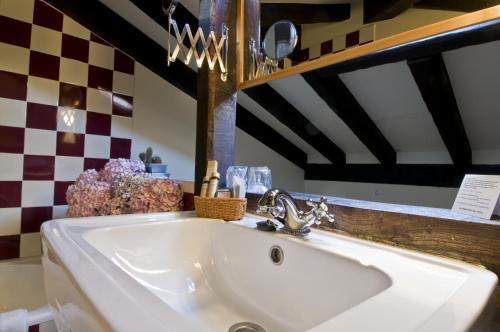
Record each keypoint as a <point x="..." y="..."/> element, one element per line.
<point x="220" y="208"/>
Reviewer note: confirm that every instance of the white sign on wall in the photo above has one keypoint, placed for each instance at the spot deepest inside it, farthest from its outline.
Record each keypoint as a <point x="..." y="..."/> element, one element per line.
<point x="478" y="196"/>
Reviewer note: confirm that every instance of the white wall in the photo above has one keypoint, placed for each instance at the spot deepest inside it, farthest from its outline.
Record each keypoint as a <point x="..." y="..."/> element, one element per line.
<point x="165" y="119"/>
<point x="251" y="152"/>
<point x="385" y="193"/>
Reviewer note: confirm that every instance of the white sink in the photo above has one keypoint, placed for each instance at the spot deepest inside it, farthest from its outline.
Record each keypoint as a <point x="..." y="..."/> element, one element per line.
<point x="175" y="272"/>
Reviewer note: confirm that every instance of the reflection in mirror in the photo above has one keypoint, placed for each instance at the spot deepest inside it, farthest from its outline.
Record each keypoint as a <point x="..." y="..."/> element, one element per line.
<point x="280" y="40"/>
<point x="401" y="125"/>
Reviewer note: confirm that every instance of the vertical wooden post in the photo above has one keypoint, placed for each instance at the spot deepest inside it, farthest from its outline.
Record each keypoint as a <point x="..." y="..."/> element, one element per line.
<point x="216" y="108"/>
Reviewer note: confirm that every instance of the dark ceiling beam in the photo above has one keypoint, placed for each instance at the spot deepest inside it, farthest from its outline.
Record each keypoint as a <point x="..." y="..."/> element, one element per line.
<point x="341" y="101"/>
<point x="282" y="110"/>
<point x="457" y="5"/>
<point x="467" y="36"/>
<point x="301" y="13"/>
<point x="379" y="10"/>
<point x="262" y="132"/>
<point x="110" y="26"/>
<point x="404" y="174"/>
<point x="434" y="84"/>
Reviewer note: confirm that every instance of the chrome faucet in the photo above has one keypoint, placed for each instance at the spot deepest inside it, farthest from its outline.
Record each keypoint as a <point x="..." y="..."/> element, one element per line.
<point x="283" y="208"/>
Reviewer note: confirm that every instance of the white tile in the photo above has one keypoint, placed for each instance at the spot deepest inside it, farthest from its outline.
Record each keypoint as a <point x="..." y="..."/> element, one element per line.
<point x="97" y="146"/>
<point x="314" y="51"/>
<point x="74" y="72"/>
<point x="19" y="9"/>
<point x="12" y="112"/>
<point x="99" y="101"/>
<point x="43" y="91"/>
<point x="71" y="120"/>
<point x="101" y="55"/>
<point x="10" y="221"/>
<point x="46" y="40"/>
<point x="73" y="28"/>
<point x="14" y="58"/>
<point x="123" y="83"/>
<point x="367" y="33"/>
<point x="68" y="168"/>
<point x="40" y="142"/>
<point x="121" y="126"/>
<point x="338" y="44"/>
<point x="37" y="193"/>
<point x="59" y="211"/>
<point x="11" y="167"/>
<point x="30" y="245"/>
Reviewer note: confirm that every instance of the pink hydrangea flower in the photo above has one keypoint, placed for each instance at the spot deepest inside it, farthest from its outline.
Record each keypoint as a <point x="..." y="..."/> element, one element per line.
<point x="122" y="187"/>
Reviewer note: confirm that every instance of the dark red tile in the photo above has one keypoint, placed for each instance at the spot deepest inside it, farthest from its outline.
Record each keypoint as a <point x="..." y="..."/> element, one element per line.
<point x="44" y="65"/>
<point x="11" y="139"/>
<point x="10" y="194"/>
<point x="100" y="78"/>
<point x="327" y="47"/>
<point x="60" y="188"/>
<point x="75" y="48"/>
<point x="352" y="39"/>
<point x="15" y="32"/>
<point x="98" y="124"/>
<point x="303" y="55"/>
<point x="120" y="148"/>
<point x="33" y="217"/>
<point x="13" y="86"/>
<point x="73" y="96"/>
<point x="123" y="105"/>
<point x="9" y="246"/>
<point x="70" y="144"/>
<point x="188" y="202"/>
<point x="34" y="328"/>
<point x="41" y="116"/>
<point x="94" y="163"/>
<point x="47" y="16"/>
<point x="95" y="38"/>
<point x="124" y="63"/>
<point x="38" y="167"/>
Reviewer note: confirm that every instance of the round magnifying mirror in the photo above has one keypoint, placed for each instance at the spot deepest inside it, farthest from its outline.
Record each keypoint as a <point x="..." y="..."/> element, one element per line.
<point x="280" y="40"/>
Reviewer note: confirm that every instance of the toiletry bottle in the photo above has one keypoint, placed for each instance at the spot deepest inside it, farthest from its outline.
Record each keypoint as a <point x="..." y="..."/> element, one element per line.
<point x="213" y="184"/>
<point x="204" y="187"/>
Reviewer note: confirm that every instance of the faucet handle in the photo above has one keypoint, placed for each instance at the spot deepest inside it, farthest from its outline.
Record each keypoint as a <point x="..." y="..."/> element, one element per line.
<point x="320" y="210"/>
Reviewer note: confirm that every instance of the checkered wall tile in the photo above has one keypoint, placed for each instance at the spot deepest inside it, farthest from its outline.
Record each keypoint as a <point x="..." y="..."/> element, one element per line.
<point x="66" y="105"/>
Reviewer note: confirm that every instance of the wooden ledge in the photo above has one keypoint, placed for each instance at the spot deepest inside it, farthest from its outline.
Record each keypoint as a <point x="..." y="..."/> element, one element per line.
<point x="434" y="231"/>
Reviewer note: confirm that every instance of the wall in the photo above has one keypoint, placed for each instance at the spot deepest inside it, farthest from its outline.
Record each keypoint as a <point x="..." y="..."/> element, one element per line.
<point x="385" y="193"/>
<point x="66" y="104"/>
<point x="165" y="119"/>
<point x="314" y="34"/>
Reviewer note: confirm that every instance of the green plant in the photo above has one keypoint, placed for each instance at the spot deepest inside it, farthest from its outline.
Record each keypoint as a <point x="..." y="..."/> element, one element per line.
<point x="156" y="159"/>
<point x="147" y="157"/>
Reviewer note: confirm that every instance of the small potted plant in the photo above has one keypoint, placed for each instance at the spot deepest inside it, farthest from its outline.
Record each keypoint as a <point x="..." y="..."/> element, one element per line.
<point x="152" y="162"/>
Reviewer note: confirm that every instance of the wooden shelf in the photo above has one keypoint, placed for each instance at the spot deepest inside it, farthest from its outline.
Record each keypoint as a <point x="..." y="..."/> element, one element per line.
<point x="403" y="38"/>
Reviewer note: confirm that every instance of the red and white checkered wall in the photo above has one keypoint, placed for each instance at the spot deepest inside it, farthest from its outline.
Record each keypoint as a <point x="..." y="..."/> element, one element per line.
<point x="66" y="105"/>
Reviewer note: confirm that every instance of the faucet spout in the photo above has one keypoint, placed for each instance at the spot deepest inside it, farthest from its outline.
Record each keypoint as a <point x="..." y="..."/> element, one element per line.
<point x="283" y="208"/>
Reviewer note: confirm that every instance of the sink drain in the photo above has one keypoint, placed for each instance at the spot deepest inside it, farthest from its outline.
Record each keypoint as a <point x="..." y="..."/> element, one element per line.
<point x="276" y="255"/>
<point x="246" y="327"/>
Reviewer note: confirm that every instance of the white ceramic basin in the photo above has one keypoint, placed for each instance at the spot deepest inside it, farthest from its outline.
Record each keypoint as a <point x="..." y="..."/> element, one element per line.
<point x="174" y="272"/>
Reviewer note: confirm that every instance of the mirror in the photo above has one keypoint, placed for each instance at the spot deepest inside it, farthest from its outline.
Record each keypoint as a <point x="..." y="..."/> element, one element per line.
<point x="280" y="40"/>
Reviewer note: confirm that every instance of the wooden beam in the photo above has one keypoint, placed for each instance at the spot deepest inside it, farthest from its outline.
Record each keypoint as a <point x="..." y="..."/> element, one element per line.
<point x="98" y="18"/>
<point x="405" y="174"/>
<point x="216" y="106"/>
<point x="250" y="21"/>
<point x="341" y="101"/>
<point x="469" y="29"/>
<point x="432" y="79"/>
<point x="281" y="109"/>
<point x="379" y="10"/>
<point x="457" y="5"/>
<point x="304" y="13"/>
<point x="264" y="133"/>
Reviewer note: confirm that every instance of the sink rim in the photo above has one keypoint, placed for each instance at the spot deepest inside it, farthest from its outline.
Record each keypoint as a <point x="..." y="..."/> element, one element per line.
<point x="66" y="236"/>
